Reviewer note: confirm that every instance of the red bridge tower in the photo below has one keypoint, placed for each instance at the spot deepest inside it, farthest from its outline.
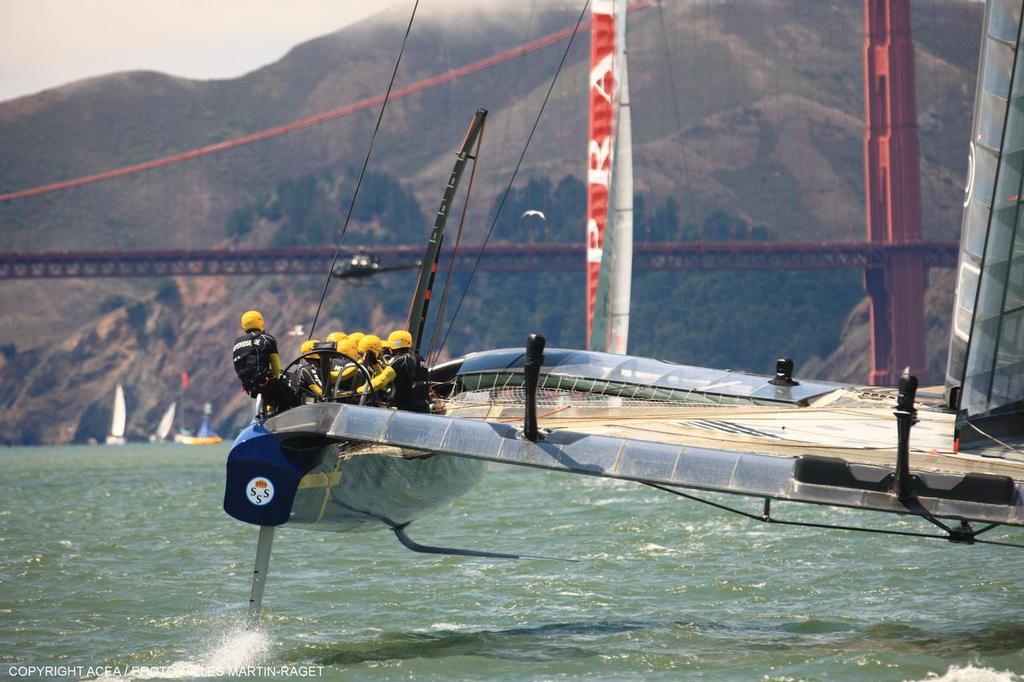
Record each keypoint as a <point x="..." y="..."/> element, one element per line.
<point x="893" y="193"/>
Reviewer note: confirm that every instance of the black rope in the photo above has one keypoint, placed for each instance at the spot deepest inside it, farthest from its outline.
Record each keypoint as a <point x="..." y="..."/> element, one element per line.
<point x="512" y="180"/>
<point x="766" y="518"/>
<point x="362" y="172"/>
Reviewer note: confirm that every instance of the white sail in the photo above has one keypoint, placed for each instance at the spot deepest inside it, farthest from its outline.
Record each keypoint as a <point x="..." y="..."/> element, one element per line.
<point x="163" y="429"/>
<point x="117" y="422"/>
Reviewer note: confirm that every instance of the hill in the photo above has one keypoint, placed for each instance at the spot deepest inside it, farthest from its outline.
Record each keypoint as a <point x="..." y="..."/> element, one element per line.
<point x="745" y="115"/>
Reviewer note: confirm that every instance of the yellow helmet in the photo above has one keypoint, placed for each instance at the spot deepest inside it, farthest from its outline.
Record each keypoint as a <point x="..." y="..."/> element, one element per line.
<point x="355" y="336"/>
<point x="251" y="319"/>
<point x="347" y="347"/>
<point x="334" y="337"/>
<point x="308" y="346"/>
<point x="370" y="343"/>
<point x="400" y="339"/>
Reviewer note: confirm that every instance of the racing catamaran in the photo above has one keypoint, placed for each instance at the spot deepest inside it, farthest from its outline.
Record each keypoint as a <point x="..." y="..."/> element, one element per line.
<point x="953" y="458"/>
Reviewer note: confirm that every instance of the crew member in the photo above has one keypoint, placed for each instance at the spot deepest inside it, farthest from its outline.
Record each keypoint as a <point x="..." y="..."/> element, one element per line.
<point x="258" y="364"/>
<point x="412" y="377"/>
<point x="370" y="347"/>
<point x="382" y="376"/>
<point x="345" y="376"/>
<point x="305" y="379"/>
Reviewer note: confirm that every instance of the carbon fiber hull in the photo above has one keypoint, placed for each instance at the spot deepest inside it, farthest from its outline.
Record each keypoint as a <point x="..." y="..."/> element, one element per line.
<point x="363" y="488"/>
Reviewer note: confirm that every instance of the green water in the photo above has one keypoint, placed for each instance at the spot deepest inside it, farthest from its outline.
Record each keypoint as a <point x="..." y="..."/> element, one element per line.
<point x="122" y="557"/>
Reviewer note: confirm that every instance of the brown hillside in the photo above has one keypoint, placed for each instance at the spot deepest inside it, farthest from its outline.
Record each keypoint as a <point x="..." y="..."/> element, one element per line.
<point x="751" y="108"/>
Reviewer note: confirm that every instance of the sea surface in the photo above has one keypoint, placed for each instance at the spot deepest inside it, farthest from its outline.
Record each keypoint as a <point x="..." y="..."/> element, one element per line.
<point x="119" y="562"/>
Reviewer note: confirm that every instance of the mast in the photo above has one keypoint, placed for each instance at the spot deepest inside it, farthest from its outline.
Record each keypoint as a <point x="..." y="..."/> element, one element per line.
<point x="425" y="283"/>
<point x="622" y="204"/>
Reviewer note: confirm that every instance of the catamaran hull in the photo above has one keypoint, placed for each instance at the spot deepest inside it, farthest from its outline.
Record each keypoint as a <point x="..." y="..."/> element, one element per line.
<point x="379" y="487"/>
<point x="307" y="477"/>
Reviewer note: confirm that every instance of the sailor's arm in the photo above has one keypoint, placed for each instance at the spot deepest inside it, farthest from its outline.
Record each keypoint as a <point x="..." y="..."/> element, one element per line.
<point x="381" y="380"/>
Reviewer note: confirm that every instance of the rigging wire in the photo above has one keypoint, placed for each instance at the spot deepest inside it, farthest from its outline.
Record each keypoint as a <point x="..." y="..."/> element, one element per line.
<point x="515" y="172"/>
<point x="362" y="172"/>
<point x="439" y="319"/>
<point x="993" y="438"/>
<point x="767" y="518"/>
<point x="686" y="165"/>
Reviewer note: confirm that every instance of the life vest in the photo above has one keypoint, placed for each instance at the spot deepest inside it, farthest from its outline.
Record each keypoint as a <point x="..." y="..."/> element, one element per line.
<point x="251" y="357"/>
<point x="412" y="383"/>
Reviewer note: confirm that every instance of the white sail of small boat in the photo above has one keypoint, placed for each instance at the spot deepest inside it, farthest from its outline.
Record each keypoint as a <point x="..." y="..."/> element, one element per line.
<point x="163" y="429"/>
<point x="117" y="422"/>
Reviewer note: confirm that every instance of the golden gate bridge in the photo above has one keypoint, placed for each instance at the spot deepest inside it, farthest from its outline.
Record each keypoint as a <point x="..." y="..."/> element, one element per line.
<point x="894" y="258"/>
<point x="495" y="258"/>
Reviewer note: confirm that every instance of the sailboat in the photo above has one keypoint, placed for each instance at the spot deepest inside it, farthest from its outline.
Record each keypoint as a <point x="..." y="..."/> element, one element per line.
<point x="950" y="459"/>
<point x="117" y="421"/>
<point x="163" y="429"/>
<point x="204" y="436"/>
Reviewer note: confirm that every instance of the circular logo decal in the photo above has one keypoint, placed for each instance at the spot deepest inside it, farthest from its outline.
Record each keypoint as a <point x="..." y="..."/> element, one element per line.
<point x="259" y="490"/>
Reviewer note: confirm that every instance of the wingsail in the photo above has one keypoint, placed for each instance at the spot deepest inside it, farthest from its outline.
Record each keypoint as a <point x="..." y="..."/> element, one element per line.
<point x="985" y="372"/>
<point x="609" y="329"/>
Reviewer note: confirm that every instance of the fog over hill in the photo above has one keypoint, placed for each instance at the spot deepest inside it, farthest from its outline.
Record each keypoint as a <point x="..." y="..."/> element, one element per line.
<point x="745" y="115"/>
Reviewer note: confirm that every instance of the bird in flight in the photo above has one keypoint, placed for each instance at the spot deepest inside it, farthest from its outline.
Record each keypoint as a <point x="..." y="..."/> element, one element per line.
<point x="535" y="212"/>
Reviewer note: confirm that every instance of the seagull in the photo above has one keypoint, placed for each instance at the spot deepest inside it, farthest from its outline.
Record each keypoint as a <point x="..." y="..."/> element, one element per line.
<point x="535" y="212"/>
<point x="296" y="331"/>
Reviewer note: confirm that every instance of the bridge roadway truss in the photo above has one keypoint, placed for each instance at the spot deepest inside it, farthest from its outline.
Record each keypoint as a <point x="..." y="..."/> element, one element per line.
<point x="496" y="258"/>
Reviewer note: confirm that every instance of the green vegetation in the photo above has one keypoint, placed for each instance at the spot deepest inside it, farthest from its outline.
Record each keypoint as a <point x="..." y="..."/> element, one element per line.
<point x="734" y="320"/>
<point x="310" y="211"/>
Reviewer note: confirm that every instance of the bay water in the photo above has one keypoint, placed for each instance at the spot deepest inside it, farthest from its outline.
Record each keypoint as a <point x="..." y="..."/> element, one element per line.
<point x="119" y="562"/>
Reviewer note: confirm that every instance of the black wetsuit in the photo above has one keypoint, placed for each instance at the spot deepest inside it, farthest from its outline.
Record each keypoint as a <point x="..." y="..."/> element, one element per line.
<point x="303" y="378"/>
<point x="251" y="357"/>
<point x="412" y="377"/>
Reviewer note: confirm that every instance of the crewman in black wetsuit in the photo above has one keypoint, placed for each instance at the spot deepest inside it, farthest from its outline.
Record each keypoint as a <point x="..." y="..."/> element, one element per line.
<point x="382" y="376"/>
<point x="412" y="377"/>
<point x="258" y="365"/>
<point x="305" y="379"/>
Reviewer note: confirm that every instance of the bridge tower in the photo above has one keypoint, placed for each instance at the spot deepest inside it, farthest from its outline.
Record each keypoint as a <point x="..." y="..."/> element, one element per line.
<point x="893" y="193"/>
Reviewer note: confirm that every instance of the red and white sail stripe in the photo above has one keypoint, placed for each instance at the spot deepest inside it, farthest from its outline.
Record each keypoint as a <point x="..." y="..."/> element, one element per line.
<point x="599" y="153"/>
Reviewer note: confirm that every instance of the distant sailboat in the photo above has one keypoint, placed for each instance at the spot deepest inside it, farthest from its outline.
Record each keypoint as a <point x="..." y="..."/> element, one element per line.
<point x="205" y="435"/>
<point x="163" y="429"/>
<point x="117" y="422"/>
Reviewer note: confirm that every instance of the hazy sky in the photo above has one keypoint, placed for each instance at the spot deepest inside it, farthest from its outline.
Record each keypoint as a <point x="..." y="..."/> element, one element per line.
<point x="45" y="43"/>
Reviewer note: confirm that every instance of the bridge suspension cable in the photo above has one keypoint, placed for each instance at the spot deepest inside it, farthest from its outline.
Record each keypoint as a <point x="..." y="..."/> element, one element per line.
<point x="310" y="121"/>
